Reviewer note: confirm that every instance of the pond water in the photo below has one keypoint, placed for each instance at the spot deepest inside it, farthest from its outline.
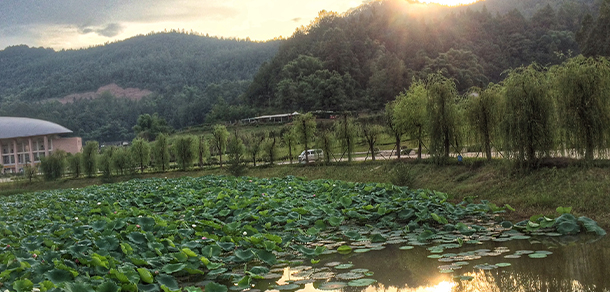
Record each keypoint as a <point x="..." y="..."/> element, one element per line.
<point x="573" y="263"/>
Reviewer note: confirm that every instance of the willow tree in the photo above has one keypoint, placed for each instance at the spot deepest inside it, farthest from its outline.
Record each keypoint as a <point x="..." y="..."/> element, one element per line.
<point x="325" y="142"/>
<point x="442" y="115"/>
<point x="371" y="133"/>
<point x="253" y="144"/>
<point x="140" y="153"/>
<point x="184" y="148"/>
<point x="290" y="141"/>
<point x="528" y="128"/>
<point x="410" y="113"/>
<point x="582" y="87"/>
<point x="160" y="152"/>
<point x="482" y="112"/>
<point x="305" y="129"/>
<point x="203" y="150"/>
<point x="394" y="129"/>
<point x="346" y="131"/>
<point x="221" y="135"/>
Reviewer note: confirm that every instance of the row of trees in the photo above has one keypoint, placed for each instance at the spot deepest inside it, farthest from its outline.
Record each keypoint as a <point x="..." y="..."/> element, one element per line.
<point x="535" y="112"/>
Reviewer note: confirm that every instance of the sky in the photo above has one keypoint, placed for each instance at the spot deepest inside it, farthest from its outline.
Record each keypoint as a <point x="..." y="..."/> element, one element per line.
<point x="73" y="24"/>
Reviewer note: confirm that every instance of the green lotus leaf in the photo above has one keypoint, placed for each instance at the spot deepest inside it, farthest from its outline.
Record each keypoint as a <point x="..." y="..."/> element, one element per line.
<point x="568" y="227"/>
<point x="259" y="270"/>
<point x="99" y="226"/>
<point x="378" y="238"/>
<point x="244" y="282"/>
<point x="108" y="286"/>
<point x="192" y="289"/>
<point x="145" y="275"/>
<point x="215" y="287"/>
<point x="58" y="276"/>
<point x="172" y="268"/>
<point x="287" y="287"/>
<point x="168" y="281"/>
<point x="24" y="285"/>
<point x="335" y="221"/>
<point x="361" y="282"/>
<point x="79" y="287"/>
<point x="353" y="235"/>
<point x="344" y="249"/>
<point x="137" y="238"/>
<point x="266" y="256"/>
<point x="244" y="255"/>
<point x="211" y="251"/>
<point x="227" y="246"/>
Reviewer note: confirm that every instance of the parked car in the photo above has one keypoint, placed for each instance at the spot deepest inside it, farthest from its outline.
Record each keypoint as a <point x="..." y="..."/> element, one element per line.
<point x="313" y="155"/>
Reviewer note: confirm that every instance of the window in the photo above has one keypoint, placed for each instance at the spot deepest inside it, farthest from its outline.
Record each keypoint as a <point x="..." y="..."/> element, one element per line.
<point x="6" y="160"/>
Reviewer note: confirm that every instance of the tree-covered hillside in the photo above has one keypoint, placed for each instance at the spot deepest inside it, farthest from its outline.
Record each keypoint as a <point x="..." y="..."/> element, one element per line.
<point x="363" y="59"/>
<point x="193" y="79"/>
<point x="161" y="62"/>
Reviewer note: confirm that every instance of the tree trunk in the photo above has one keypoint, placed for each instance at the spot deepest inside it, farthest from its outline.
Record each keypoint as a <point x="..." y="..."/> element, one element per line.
<point x="419" y="144"/>
<point x="397" y="137"/>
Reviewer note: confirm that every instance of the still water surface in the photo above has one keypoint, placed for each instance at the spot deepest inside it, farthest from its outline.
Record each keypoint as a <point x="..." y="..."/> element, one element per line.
<point x="576" y="264"/>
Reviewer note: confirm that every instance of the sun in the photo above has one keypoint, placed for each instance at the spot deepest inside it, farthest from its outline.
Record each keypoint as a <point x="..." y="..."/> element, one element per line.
<point x="450" y="2"/>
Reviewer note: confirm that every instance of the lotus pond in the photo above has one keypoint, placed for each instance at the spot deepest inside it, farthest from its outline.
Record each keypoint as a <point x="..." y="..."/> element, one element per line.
<point x="223" y="233"/>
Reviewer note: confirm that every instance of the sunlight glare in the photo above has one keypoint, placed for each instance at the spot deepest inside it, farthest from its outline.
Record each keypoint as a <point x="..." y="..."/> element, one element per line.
<point x="450" y="2"/>
<point x="444" y="286"/>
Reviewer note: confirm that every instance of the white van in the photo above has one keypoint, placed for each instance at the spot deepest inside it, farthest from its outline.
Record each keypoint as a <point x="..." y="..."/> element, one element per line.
<point x="313" y="155"/>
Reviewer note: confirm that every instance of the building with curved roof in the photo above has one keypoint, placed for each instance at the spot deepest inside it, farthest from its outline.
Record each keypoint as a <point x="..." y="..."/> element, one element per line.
<point x="25" y="141"/>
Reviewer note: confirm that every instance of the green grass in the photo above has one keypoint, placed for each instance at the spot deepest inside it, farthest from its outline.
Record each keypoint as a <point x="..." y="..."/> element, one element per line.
<point x="540" y="191"/>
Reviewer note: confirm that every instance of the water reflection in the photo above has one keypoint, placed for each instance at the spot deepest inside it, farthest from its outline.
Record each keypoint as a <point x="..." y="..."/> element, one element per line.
<point x="577" y="264"/>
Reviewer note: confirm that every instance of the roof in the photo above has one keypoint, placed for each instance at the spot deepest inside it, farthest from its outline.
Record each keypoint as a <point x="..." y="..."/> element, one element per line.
<point x="12" y="127"/>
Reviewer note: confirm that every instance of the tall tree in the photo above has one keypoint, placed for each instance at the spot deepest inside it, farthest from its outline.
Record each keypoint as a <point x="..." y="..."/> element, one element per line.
<point x="90" y="153"/>
<point x="289" y="139"/>
<point x="161" y="153"/>
<point x="75" y="164"/>
<point x="346" y="131"/>
<point x="140" y="152"/>
<point x="371" y="133"/>
<point x="253" y="144"/>
<point x="411" y="113"/>
<point x="442" y="115"/>
<point x="582" y="87"/>
<point x="483" y="113"/>
<point x="203" y="150"/>
<point x="221" y="135"/>
<point x="305" y="129"/>
<point x="184" y="150"/>
<point x="528" y="129"/>
<point x="394" y="128"/>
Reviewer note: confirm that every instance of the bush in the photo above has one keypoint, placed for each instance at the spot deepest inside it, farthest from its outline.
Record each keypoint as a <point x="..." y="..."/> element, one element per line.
<point x="53" y="166"/>
<point x="401" y="174"/>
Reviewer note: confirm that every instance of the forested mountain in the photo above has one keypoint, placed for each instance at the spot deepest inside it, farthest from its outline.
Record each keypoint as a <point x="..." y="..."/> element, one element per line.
<point x="190" y="75"/>
<point x="160" y="62"/>
<point x="363" y="59"/>
<point x="358" y="60"/>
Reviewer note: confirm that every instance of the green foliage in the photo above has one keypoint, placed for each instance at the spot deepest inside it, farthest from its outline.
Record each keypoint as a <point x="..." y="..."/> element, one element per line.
<point x="270" y="147"/>
<point x="593" y="35"/>
<point x="401" y="174"/>
<point x="528" y="129"/>
<point x="90" y="153"/>
<point x="29" y="172"/>
<point x="54" y="165"/>
<point x="289" y="139"/>
<point x="305" y="129"/>
<point x="483" y="113"/>
<point x="75" y="164"/>
<point x="442" y="116"/>
<point x="235" y="151"/>
<point x="105" y="161"/>
<point x="219" y="142"/>
<point x="160" y="153"/>
<point x="346" y="130"/>
<point x="582" y="87"/>
<point x="203" y="150"/>
<point x="253" y="145"/>
<point x="393" y="128"/>
<point x="184" y="151"/>
<point x="149" y="127"/>
<point x="140" y="153"/>
<point x="371" y="133"/>
<point x="410" y="113"/>
<point x="326" y="142"/>
<point x="122" y="160"/>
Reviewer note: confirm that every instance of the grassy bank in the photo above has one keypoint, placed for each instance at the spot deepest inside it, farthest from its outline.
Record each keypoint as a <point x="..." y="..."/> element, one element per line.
<point x="587" y="190"/>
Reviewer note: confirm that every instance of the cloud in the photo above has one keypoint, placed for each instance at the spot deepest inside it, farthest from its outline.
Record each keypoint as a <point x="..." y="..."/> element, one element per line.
<point x="109" y="30"/>
<point x="297" y="19"/>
